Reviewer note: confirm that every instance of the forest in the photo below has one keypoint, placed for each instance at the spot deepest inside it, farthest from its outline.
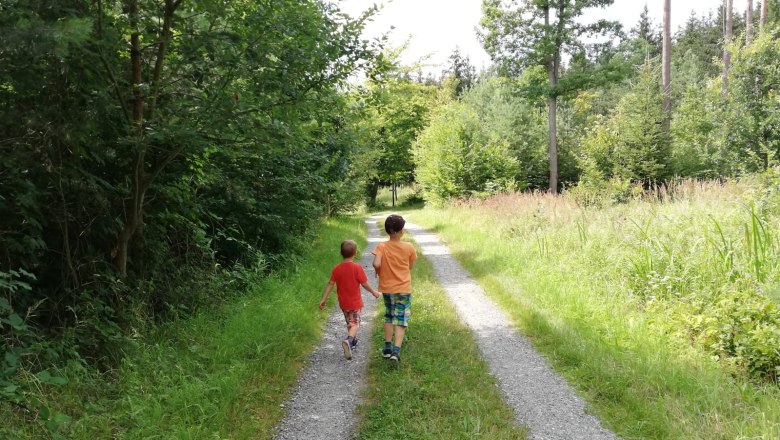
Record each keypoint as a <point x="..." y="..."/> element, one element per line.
<point x="161" y="159"/>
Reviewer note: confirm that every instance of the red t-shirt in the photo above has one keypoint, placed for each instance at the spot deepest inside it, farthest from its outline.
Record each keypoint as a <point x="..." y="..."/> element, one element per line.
<point x="348" y="277"/>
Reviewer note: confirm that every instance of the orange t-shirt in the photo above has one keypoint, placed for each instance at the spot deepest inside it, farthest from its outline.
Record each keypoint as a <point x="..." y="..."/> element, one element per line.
<point x="395" y="275"/>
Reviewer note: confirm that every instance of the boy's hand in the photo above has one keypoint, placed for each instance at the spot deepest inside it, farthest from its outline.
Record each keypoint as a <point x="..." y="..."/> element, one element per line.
<point x="322" y="303"/>
<point x="377" y="295"/>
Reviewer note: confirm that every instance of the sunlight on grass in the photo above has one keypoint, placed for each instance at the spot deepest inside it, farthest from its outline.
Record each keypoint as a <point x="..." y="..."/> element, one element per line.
<point x="220" y="374"/>
<point x="442" y="388"/>
<point x="621" y="301"/>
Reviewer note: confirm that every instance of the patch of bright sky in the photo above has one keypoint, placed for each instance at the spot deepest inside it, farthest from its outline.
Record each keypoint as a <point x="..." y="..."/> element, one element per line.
<point x="436" y="27"/>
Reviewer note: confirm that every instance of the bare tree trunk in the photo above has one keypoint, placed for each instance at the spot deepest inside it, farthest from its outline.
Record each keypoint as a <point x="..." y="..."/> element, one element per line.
<point x="666" y="71"/>
<point x="728" y="36"/>
<point x="764" y="12"/>
<point x="749" y="22"/>
<point x="552" y="111"/>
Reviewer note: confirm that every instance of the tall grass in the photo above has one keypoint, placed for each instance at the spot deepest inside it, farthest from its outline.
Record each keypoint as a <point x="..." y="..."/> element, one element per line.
<point x="655" y="310"/>
<point x="221" y="374"/>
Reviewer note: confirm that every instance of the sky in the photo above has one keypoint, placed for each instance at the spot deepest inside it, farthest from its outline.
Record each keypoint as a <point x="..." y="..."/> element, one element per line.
<point x="436" y="27"/>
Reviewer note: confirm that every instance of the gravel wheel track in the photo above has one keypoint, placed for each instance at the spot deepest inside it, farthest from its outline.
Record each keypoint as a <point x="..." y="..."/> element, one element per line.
<point x="328" y="391"/>
<point x="542" y="400"/>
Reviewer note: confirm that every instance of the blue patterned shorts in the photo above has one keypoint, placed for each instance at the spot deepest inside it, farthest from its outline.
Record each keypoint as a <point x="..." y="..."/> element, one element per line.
<point x="398" y="308"/>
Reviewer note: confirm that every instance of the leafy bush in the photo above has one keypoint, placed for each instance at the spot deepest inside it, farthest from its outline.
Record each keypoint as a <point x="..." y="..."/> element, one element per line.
<point x="455" y="158"/>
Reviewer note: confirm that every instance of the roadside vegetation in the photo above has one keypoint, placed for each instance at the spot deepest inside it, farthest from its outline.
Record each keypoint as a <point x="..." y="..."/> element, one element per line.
<point x="442" y="388"/>
<point x="221" y="373"/>
<point x="661" y="311"/>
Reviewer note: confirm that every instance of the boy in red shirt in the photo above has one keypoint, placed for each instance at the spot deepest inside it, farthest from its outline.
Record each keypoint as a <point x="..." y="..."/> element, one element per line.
<point x="348" y="276"/>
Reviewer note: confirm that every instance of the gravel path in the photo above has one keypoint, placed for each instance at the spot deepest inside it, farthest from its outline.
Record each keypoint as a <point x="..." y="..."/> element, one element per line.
<point x="323" y="406"/>
<point x="542" y="399"/>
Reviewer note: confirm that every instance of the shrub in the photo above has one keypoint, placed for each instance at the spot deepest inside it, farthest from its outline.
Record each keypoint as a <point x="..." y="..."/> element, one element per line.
<point x="455" y="158"/>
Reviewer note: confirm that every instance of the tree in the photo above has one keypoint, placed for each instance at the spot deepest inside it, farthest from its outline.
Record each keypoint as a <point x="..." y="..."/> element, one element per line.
<point x="728" y="36"/>
<point x="631" y="143"/>
<point x="646" y="31"/>
<point x="749" y="21"/>
<point x="764" y="12"/>
<point x="393" y="109"/>
<point x="522" y="33"/>
<point x="456" y="156"/>
<point x="753" y="112"/>
<point x="666" y="59"/>
<point x="462" y="70"/>
<point x="144" y="141"/>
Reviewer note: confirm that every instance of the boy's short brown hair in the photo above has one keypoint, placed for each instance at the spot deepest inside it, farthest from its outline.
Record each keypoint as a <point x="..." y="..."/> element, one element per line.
<point x="348" y="248"/>
<point x="394" y="223"/>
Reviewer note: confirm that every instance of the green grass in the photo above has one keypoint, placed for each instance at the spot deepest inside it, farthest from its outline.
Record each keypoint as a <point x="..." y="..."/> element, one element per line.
<point x="220" y="374"/>
<point x="442" y="389"/>
<point x="571" y="280"/>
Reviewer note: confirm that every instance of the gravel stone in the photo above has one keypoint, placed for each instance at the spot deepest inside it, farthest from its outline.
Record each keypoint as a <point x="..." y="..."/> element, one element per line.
<point x="542" y="400"/>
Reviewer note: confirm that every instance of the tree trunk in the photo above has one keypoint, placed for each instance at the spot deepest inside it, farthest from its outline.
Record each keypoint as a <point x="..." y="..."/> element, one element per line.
<point x="141" y="180"/>
<point x="749" y="21"/>
<point x="728" y="35"/>
<point x="666" y="71"/>
<point x="372" y="190"/>
<point x="764" y="12"/>
<point x="119" y="253"/>
<point x="552" y="109"/>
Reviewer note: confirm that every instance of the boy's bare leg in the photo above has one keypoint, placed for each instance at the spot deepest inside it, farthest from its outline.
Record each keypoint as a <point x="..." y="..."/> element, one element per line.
<point x="388" y="332"/>
<point x="399" y="335"/>
<point x="353" y="331"/>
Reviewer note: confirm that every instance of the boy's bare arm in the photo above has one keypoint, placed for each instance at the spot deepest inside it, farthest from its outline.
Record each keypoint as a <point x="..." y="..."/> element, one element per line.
<point x="326" y="293"/>
<point x="377" y="263"/>
<point x="370" y="289"/>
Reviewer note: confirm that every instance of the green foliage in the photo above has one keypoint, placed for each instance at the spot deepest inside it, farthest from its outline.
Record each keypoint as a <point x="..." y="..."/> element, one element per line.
<point x="508" y="118"/>
<point x="455" y="157"/>
<point x="462" y="71"/>
<point x="753" y="105"/>
<point x="516" y="36"/>
<point x="654" y="309"/>
<point x="631" y="143"/>
<point x="697" y="150"/>
<point x="215" y="146"/>
<point x="206" y="375"/>
<point x="391" y="111"/>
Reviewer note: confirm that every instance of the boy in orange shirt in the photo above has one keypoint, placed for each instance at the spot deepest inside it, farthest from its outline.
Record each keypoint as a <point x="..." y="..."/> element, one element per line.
<point x="348" y="276"/>
<point x="395" y="259"/>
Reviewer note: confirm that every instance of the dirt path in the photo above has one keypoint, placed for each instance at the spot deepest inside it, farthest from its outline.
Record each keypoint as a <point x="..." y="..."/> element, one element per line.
<point x="323" y="406"/>
<point x="541" y="398"/>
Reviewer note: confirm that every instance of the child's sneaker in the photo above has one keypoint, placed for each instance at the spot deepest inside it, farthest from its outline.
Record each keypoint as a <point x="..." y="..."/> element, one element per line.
<point x="347" y="349"/>
<point x="386" y="353"/>
<point x="395" y="359"/>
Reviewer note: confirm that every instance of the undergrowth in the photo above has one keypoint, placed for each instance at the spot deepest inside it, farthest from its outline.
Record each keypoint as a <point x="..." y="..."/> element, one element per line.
<point x="221" y="373"/>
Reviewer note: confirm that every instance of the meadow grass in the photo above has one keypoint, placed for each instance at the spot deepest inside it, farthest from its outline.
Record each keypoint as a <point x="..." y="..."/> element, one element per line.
<point x="612" y="297"/>
<point x="220" y="374"/>
<point x="442" y="388"/>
